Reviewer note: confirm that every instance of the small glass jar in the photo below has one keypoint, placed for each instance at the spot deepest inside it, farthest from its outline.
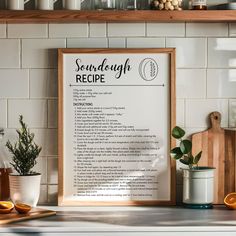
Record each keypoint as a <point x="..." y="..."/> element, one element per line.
<point x="199" y="5"/>
<point x="143" y="4"/>
<point x="105" y="4"/>
<point x="126" y="5"/>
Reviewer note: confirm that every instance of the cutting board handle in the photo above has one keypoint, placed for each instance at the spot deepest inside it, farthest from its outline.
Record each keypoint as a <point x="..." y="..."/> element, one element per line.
<point x="215" y="118"/>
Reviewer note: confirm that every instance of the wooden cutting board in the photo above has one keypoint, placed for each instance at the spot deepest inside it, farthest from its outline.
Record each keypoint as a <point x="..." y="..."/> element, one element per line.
<point x="218" y="150"/>
<point x="35" y="213"/>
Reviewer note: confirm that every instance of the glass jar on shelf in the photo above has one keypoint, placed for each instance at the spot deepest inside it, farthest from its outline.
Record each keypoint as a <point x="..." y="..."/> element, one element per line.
<point x="143" y="4"/>
<point x="198" y="5"/>
<point x="126" y="5"/>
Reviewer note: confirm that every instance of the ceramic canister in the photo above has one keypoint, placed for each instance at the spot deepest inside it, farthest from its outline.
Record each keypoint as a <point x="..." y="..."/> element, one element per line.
<point x="45" y="4"/>
<point x="16" y="4"/>
<point x="72" y="4"/>
<point x="198" y="185"/>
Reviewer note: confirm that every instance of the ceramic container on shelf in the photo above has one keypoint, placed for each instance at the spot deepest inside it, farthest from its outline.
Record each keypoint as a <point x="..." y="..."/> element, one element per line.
<point x="72" y="4"/>
<point x="45" y="4"/>
<point x="25" y="189"/>
<point x="16" y="4"/>
<point x="198" y="187"/>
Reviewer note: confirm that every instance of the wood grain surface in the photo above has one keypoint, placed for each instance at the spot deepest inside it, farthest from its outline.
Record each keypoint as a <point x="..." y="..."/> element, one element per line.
<point x="218" y="146"/>
<point x="59" y="16"/>
<point x="35" y="213"/>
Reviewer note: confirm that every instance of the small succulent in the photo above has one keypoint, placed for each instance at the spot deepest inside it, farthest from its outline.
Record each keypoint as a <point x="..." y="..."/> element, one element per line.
<point x="183" y="153"/>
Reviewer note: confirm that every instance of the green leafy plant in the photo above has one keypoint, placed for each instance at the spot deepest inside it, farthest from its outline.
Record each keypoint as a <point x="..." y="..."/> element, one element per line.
<point x="183" y="153"/>
<point x="25" y="151"/>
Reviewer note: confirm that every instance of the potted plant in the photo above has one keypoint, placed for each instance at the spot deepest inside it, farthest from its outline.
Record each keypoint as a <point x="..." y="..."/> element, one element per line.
<point x="198" y="182"/>
<point x="24" y="186"/>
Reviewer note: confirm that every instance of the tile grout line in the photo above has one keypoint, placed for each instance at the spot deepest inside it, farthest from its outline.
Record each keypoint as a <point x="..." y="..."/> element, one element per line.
<point x="7" y="113"/>
<point x="7" y="32"/>
<point x="89" y="28"/>
<point x="29" y="83"/>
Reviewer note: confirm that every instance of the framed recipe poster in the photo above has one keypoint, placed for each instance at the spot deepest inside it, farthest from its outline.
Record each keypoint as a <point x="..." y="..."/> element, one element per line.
<point x="116" y="111"/>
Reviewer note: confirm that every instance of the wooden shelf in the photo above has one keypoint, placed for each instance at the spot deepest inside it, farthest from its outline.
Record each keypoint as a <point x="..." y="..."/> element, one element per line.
<point x="63" y="16"/>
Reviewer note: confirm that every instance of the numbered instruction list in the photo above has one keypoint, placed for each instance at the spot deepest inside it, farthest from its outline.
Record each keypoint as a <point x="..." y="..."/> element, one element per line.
<point x="116" y="130"/>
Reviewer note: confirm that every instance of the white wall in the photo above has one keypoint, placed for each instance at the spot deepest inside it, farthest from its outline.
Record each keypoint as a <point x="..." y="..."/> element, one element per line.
<point x="206" y="75"/>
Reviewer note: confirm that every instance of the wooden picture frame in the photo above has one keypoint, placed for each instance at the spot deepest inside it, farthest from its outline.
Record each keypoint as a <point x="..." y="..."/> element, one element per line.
<point x="69" y="77"/>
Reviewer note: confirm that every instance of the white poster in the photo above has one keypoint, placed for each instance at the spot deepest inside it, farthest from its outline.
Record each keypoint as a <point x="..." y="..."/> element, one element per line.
<point x="116" y="127"/>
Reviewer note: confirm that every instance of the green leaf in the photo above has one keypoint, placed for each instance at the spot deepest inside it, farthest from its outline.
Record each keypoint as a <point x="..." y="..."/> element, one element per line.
<point x="176" y="153"/>
<point x="191" y="158"/>
<point x="185" y="146"/>
<point x="177" y="132"/>
<point x="184" y="161"/>
<point x="197" y="157"/>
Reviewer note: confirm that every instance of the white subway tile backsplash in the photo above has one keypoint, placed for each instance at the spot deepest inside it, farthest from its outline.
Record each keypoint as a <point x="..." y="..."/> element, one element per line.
<point x="40" y="53"/>
<point x="191" y="83"/>
<point x="33" y="111"/>
<point x="206" y="29"/>
<point x="166" y="29"/>
<point x="43" y="198"/>
<point x="126" y="29"/>
<point x="116" y="43"/>
<point x="10" y="53"/>
<point x="52" y="170"/>
<point x="43" y="83"/>
<point x="52" y="194"/>
<point x="27" y="31"/>
<point x="221" y="52"/>
<point x="68" y="30"/>
<point x="47" y="138"/>
<point x="18" y="78"/>
<point x="87" y="43"/>
<point x="190" y="52"/>
<point x="41" y="167"/>
<point x="97" y="30"/>
<point x="35" y="87"/>
<point x="180" y="111"/>
<point x="221" y="83"/>
<point x="3" y="113"/>
<point x="232" y="113"/>
<point x="197" y="112"/>
<point x="52" y="113"/>
<point x="145" y="42"/>
<point x="9" y="134"/>
<point x="232" y="29"/>
<point x="3" y="30"/>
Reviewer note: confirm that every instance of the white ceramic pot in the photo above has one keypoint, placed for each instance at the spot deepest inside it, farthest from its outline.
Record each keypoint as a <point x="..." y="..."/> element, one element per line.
<point x="45" y="4"/>
<point x="72" y="4"/>
<point x="25" y="189"/>
<point x="16" y="4"/>
<point x="198" y="186"/>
